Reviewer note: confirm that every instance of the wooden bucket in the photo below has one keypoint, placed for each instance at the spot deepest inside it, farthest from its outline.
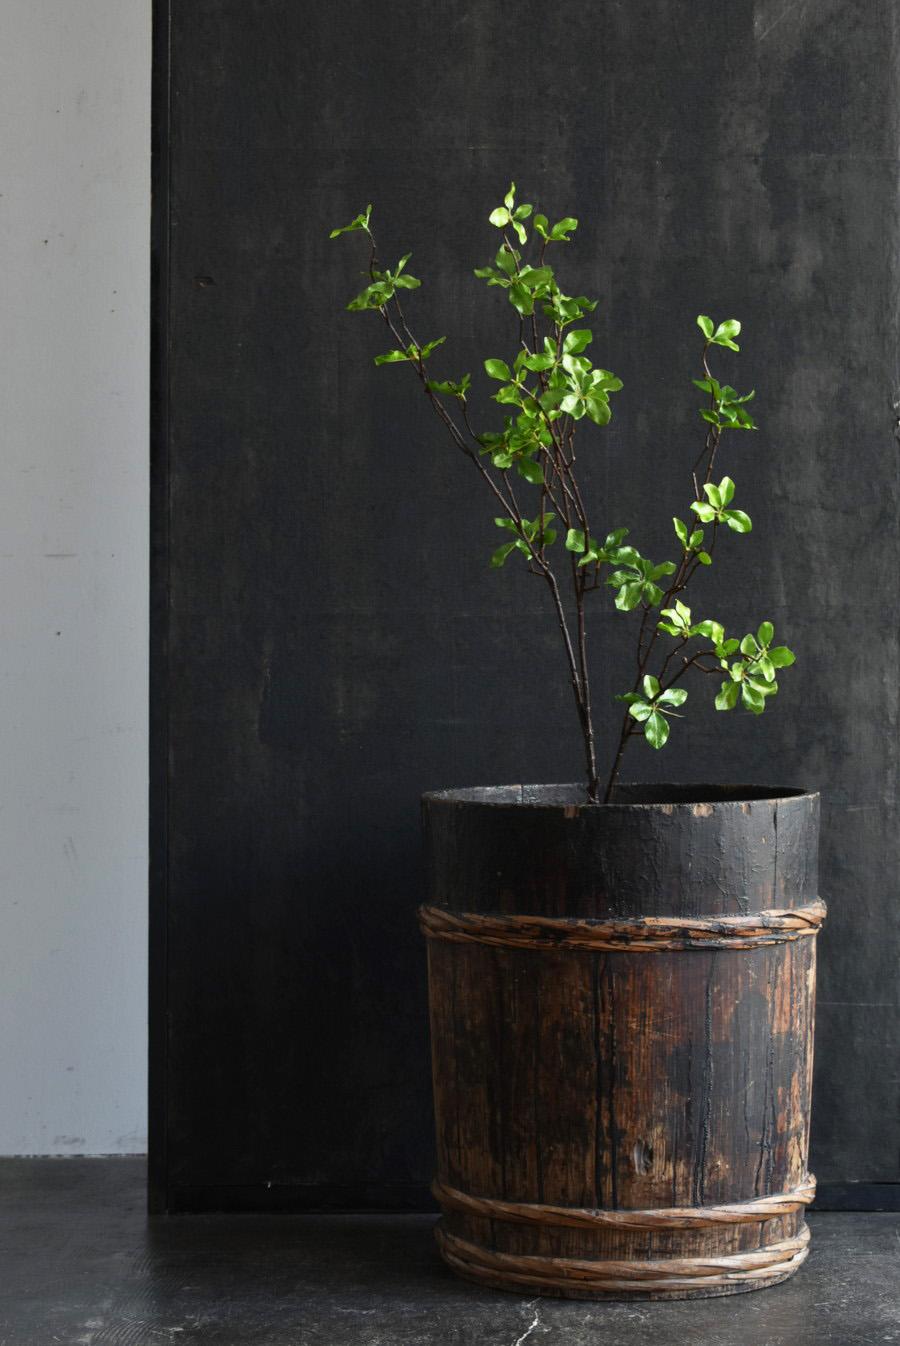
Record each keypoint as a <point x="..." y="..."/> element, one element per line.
<point x="622" y="1027"/>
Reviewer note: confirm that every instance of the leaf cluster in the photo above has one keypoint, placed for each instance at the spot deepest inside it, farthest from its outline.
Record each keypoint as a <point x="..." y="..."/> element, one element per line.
<point x="384" y="285"/>
<point x="714" y="509"/>
<point x="636" y="582"/>
<point x="532" y="536"/>
<point x="751" y="678"/>
<point x="692" y="541"/>
<point x="548" y="387"/>
<point x="567" y="385"/>
<point x="721" y="335"/>
<point x="652" y="707"/>
<point x="361" y="221"/>
<point x="412" y="352"/>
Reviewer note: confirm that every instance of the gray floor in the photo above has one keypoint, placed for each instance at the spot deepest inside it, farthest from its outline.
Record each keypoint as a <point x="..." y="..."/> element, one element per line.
<point x="80" y="1264"/>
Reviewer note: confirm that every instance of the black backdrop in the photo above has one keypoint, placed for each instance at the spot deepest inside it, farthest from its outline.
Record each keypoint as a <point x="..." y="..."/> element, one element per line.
<point x="328" y="641"/>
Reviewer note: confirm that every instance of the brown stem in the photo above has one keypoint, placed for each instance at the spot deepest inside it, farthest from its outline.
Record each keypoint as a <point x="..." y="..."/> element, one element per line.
<point x="686" y="569"/>
<point x="587" y="721"/>
<point x="569" y="502"/>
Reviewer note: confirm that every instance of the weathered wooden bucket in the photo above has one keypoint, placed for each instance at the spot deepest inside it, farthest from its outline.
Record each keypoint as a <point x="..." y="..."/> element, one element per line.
<point x="622" y="1028"/>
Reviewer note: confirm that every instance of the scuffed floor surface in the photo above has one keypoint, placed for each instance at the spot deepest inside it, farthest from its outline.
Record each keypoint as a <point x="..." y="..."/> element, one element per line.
<point x="80" y="1264"/>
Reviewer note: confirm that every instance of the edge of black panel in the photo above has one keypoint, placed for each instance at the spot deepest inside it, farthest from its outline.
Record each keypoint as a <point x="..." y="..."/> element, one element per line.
<point x="157" y="1182"/>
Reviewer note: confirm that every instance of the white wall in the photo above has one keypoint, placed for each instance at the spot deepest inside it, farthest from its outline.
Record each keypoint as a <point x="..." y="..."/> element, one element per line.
<point x="74" y="235"/>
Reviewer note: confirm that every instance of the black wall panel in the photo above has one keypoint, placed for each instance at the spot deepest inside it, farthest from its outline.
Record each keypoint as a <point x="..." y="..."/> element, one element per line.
<point x="328" y="640"/>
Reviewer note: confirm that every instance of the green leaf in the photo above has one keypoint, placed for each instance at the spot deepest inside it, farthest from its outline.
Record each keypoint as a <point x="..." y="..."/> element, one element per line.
<point x="781" y="657"/>
<point x="361" y="222"/>
<point x="521" y="235"/>
<point x="622" y="577"/>
<point x="540" y="224"/>
<point x="738" y="520"/>
<point x="765" y="633"/>
<point x="431" y="346"/>
<point x="375" y="295"/>
<point x="598" y="410"/>
<point x="651" y="687"/>
<point x="531" y="528"/>
<point x="656" y="730"/>
<point x="640" y="711"/>
<point x="713" y="631"/>
<point x="664" y="568"/>
<point x="510" y="197"/>
<point x="749" y="645"/>
<point x="500" y="555"/>
<point x="728" y="696"/>
<point x="538" y="362"/>
<point x="560" y="231"/>
<point x="674" y="696"/>
<point x="509" y="524"/>
<point x="696" y="538"/>
<point x="706" y="327"/>
<point x="521" y="212"/>
<point x="704" y="558"/>
<point x="391" y="358"/>
<point x="681" y="532"/>
<point x="406" y="282"/>
<point x="450" y="388"/>
<point x="506" y="260"/>
<point x="751" y="699"/>
<point x="577" y="340"/>
<point x="705" y="512"/>
<point x="728" y="329"/>
<point x="521" y="300"/>
<point x="726" y="490"/>
<point x="713" y="494"/>
<point x="605" y="381"/>
<point x="759" y="684"/>
<point x="629" y="596"/>
<point x="766" y="668"/>
<point x="531" y="471"/>
<point x="575" y="540"/>
<point x="497" y="369"/>
<point x="499" y="217"/>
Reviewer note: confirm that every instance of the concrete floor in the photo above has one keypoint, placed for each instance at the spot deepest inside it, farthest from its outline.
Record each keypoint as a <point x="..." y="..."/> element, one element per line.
<point x="80" y="1264"/>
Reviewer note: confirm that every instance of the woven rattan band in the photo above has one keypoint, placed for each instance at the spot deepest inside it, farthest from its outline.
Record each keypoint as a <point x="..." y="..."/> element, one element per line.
<point x="660" y="1276"/>
<point x="639" y="933"/>
<point x="674" y="1217"/>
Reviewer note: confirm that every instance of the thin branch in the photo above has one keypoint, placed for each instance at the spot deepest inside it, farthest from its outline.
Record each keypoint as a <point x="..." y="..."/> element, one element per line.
<point x="567" y="503"/>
